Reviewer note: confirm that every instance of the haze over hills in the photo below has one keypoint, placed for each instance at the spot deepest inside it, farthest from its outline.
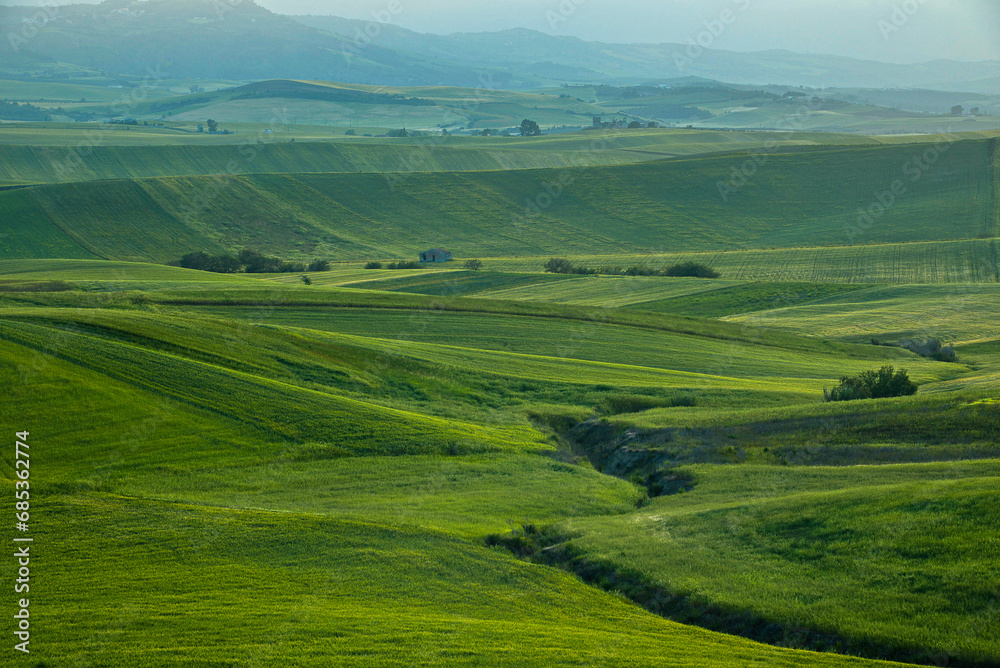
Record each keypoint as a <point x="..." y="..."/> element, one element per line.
<point x="192" y="39"/>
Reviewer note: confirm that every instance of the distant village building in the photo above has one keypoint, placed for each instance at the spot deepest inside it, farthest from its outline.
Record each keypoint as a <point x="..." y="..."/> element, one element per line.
<point x="615" y="123"/>
<point x="435" y="255"/>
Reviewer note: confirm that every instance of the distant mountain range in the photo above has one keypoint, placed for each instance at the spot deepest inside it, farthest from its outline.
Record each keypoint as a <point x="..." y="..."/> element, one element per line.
<point x="196" y="39"/>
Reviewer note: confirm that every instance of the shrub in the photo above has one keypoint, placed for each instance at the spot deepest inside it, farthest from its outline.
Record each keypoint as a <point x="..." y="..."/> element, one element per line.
<point x="473" y="265"/>
<point x="564" y="266"/>
<point x="222" y="264"/>
<point x="373" y="265"/>
<point x="248" y="260"/>
<point x="886" y="382"/>
<point x="403" y="264"/>
<point x="558" y="266"/>
<point x="693" y="269"/>
<point x="931" y="348"/>
<point x="258" y="263"/>
<point x="319" y="265"/>
<point x="306" y="279"/>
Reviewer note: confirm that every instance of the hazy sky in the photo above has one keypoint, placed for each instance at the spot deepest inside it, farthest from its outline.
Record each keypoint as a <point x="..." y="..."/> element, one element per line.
<point x="922" y="29"/>
<point x="887" y="30"/>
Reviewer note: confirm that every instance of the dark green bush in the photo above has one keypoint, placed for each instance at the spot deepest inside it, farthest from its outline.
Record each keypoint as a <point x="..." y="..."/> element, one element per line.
<point x="931" y="348"/>
<point x="886" y="382"/>
<point x="563" y="266"/>
<point x="258" y="263"/>
<point x="693" y="269"/>
<point x="202" y="261"/>
<point x="373" y="265"/>
<point x="319" y="265"/>
<point x="249" y="261"/>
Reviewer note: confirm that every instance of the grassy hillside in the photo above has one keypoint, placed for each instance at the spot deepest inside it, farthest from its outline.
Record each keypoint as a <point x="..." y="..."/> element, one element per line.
<point x="30" y="164"/>
<point x="859" y="556"/>
<point x="315" y="602"/>
<point x="240" y="442"/>
<point x="44" y="152"/>
<point x="643" y="208"/>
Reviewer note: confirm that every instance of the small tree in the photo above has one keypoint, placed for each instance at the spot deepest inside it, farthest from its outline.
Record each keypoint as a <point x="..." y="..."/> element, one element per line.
<point x="473" y="265"/>
<point x="373" y="265"/>
<point x="530" y="128"/>
<point x="319" y="265"/>
<point x="213" y="126"/>
<point x="957" y="110"/>
<point x="306" y="279"/>
<point x="634" y="125"/>
<point x="559" y="266"/>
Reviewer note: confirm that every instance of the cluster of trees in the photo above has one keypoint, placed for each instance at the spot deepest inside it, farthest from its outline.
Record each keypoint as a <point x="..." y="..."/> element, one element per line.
<point x="958" y="110"/>
<point x="886" y="382"/>
<point x="248" y="261"/>
<point x="691" y="269"/>
<point x="12" y="111"/>
<point x="930" y="347"/>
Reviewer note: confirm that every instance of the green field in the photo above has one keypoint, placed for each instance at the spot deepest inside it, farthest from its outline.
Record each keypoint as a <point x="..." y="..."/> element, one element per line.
<point x="501" y="467"/>
<point x="648" y="208"/>
<point x="53" y="152"/>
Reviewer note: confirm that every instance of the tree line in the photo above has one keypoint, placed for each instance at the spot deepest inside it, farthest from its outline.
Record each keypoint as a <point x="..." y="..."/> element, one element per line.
<point x="690" y="269"/>
<point x="249" y="262"/>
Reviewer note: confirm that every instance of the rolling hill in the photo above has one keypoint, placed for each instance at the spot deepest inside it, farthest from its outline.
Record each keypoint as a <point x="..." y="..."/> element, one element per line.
<point x="697" y="204"/>
<point x="465" y="465"/>
<point x="412" y="430"/>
